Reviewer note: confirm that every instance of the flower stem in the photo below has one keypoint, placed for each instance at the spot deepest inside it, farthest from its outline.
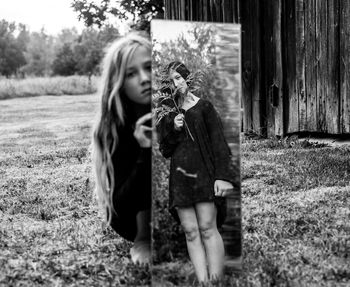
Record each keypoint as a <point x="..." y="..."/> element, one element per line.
<point x="188" y="129"/>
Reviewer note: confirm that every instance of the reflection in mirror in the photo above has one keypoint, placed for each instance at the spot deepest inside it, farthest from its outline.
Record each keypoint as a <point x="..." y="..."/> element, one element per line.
<point x="195" y="165"/>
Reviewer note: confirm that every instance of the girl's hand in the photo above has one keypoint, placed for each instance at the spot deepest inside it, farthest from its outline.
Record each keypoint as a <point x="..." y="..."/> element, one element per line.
<point x="179" y="121"/>
<point x="143" y="133"/>
<point x="222" y="187"/>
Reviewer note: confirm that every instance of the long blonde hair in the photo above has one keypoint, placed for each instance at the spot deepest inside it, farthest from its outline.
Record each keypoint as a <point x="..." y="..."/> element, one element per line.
<point x="112" y="115"/>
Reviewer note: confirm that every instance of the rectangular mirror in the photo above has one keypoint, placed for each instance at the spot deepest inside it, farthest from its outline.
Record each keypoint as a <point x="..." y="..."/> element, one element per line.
<point x="196" y="104"/>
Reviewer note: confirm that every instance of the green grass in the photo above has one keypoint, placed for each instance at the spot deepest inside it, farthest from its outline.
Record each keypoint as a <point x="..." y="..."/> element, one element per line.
<point x="57" y="86"/>
<point x="295" y="208"/>
<point x="295" y="204"/>
<point x="51" y="233"/>
<point x="295" y="218"/>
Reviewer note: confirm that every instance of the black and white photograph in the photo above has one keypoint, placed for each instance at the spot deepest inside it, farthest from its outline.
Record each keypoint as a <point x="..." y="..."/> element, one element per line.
<point x="75" y="143"/>
<point x="195" y="170"/>
<point x="175" y="143"/>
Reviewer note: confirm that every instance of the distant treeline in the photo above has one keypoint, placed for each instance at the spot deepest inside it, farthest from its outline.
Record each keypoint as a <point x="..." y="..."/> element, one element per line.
<point x="24" y="53"/>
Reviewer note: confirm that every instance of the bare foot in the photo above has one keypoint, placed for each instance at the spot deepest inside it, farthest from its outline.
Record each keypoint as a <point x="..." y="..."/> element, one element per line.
<point x="141" y="252"/>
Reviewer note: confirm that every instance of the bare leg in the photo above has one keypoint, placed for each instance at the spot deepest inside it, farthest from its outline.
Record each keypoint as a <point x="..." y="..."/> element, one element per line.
<point x="212" y="240"/>
<point x="143" y="220"/>
<point x="141" y="251"/>
<point x="195" y="248"/>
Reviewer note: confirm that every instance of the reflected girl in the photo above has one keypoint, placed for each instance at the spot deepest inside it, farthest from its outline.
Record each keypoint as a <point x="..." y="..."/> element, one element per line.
<point x="201" y="171"/>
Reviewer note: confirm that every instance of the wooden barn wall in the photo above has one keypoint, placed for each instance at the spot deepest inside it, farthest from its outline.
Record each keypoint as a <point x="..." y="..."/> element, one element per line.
<point x="249" y="17"/>
<point x="344" y="84"/>
<point x="202" y="10"/>
<point x="290" y="33"/>
<point x="297" y="101"/>
<point x="318" y="98"/>
<point x="295" y="61"/>
<point x="271" y="62"/>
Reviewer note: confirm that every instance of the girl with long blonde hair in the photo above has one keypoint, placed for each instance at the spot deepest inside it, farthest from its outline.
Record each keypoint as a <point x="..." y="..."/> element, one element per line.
<point x="122" y="142"/>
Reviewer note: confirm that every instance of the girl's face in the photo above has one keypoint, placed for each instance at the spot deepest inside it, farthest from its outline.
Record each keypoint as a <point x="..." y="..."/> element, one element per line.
<point x="179" y="82"/>
<point x="137" y="81"/>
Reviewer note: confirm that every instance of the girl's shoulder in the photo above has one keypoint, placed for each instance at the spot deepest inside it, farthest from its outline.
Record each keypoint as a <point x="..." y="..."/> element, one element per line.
<point x="206" y="103"/>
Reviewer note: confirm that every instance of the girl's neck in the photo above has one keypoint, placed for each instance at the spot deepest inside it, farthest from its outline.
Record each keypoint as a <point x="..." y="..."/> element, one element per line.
<point x="184" y="98"/>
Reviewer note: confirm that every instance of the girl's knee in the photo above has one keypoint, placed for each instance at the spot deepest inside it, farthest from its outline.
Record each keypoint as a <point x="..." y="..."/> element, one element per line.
<point x="207" y="231"/>
<point x="191" y="232"/>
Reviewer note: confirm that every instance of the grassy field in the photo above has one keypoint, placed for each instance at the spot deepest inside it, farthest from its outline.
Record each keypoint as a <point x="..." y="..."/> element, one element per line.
<point x="56" y="86"/>
<point x="296" y="217"/>
<point x="295" y="205"/>
<point x="50" y="231"/>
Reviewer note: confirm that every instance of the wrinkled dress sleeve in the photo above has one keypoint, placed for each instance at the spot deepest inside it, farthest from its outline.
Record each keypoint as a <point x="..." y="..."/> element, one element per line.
<point x="224" y="168"/>
<point x="168" y="136"/>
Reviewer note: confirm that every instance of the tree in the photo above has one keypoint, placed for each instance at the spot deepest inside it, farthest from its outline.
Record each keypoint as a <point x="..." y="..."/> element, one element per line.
<point x="108" y="34"/>
<point x="195" y="50"/>
<point x="88" y="52"/>
<point x="39" y="54"/>
<point x="11" y="52"/>
<point x="66" y="36"/>
<point x="23" y="36"/>
<point x="88" y="49"/>
<point x="65" y="63"/>
<point x="139" y="11"/>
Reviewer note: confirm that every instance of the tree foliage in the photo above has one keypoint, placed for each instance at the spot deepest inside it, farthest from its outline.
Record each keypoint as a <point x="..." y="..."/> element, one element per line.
<point x="11" y="52"/>
<point x="40" y="54"/>
<point x="139" y="11"/>
<point x="89" y="49"/>
<point x="65" y="63"/>
<point x="195" y="48"/>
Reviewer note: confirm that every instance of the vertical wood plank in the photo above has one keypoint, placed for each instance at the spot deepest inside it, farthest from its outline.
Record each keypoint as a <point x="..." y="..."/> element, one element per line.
<point x="345" y="66"/>
<point x="322" y="63"/>
<point x="235" y="12"/>
<point x="247" y="69"/>
<point x="311" y="63"/>
<point x="290" y="95"/>
<point x="300" y="64"/>
<point x="332" y="85"/>
<point x="267" y="111"/>
<point x="182" y="9"/>
<point x="255" y="66"/>
<point x="219" y="12"/>
<point x="272" y="86"/>
<point x="278" y="77"/>
<point x="204" y="11"/>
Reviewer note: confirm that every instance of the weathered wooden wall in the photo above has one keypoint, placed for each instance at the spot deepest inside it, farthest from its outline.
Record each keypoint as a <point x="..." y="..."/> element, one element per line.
<point x="295" y="61"/>
<point x="252" y="102"/>
<point x="303" y="66"/>
<point x="344" y="84"/>
<point x="271" y="61"/>
<point x="202" y="10"/>
<point x="316" y="66"/>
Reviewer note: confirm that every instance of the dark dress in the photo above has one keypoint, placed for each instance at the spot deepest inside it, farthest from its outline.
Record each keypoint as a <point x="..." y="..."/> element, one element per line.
<point x="132" y="174"/>
<point x="196" y="164"/>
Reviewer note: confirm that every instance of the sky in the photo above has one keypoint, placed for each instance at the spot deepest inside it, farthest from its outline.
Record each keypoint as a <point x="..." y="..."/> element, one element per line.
<point x="161" y="29"/>
<point x="53" y="15"/>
